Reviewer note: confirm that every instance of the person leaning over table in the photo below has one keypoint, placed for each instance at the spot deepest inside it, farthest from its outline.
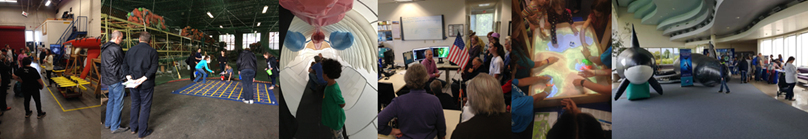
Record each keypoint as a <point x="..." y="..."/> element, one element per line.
<point x="605" y="61"/>
<point x="419" y="114"/>
<point x="490" y="119"/>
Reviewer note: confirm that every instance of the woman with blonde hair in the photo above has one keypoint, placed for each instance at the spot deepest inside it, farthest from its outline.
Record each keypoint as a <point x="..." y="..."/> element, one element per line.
<point x="419" y="113"/>
<point x="490" y="118"/>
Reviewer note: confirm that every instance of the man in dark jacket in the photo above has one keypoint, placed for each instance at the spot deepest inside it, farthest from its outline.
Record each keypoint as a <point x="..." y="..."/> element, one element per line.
<point x="743" y="67"/>
<point x="247" y="66"/>
<point x="112" y="76"/>
<point x="5" y="75"/>
<point x="191" y="61"/>
<point x="141" y="63"/>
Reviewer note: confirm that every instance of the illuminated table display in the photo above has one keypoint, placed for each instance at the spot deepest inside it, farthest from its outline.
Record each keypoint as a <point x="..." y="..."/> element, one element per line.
<point x="565" y="70"/>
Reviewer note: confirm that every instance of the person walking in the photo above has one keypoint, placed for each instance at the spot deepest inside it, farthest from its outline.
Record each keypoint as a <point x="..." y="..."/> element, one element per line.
<point x="141" y="62"/>
<point x="724" y="77"/>
<point x="756" y="63"/>
<point x="111" y="60"/>
<point x="791" y="78"/>
<point x="247" y="66"/>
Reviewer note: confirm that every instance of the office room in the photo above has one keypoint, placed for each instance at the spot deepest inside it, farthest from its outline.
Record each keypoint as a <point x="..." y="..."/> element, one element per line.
<point x="423" y="32"/>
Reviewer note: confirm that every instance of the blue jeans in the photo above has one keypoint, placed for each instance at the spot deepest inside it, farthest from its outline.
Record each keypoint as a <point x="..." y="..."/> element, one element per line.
<point x="757" y="73"/>
<point x="743" y="75"/>
<point x="247" y="76"/>
<point x="114" y="106"/>
<point x="204" y="75"/>
<point x="723" y="85"/>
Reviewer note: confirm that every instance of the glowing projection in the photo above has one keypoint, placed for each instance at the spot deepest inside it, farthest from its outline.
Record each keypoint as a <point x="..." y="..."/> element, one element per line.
<point x="571" y="61"/>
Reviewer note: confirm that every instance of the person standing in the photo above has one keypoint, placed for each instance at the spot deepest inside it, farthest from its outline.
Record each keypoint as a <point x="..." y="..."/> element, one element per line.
<point x="49" y="67"/>
<point x="247" y="66"/>
<point x="275" y="70"/>
<point x="222" y="61"/>
<point x="111" y="60"/>
<point x="5" y="75"/>
<point x="316" y="74"/>
<point x="191" y="61"/>
<point x="333" y="114"/>
<point x="791" y="78"/>
<point x="141" y="62"/>
<point x="743" y="67"/>
<point x="756" y="63"/>
<point x="31" y="84"/>
<point x="497" y="64"/>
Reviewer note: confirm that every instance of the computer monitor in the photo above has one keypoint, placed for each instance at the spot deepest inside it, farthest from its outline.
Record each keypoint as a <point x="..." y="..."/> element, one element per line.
<point x="418" y="54"/>
<point x="440" y="52"/>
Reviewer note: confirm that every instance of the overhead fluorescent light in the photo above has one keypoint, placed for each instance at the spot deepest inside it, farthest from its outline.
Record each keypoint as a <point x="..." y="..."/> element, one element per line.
<point x="259" y="24"/>
<point x="483" y="5"/>
<point x="265" y="9"/>
<point x="211" y="15"/>
<point x="403" y="0"/>
<point x="47" y="3"/>
<point x="220" y="26"/>
<point x="10" y="1"/>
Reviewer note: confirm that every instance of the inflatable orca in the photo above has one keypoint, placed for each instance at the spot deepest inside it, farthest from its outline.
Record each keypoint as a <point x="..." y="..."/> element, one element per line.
<point x="638" y="66"/>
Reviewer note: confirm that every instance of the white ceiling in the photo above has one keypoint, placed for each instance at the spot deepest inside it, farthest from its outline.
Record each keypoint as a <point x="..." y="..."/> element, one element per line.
<point x="792" y="24"/>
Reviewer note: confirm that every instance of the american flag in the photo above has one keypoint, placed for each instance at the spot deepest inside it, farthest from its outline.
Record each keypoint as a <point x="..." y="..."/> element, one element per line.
<point x="457" y="53"/>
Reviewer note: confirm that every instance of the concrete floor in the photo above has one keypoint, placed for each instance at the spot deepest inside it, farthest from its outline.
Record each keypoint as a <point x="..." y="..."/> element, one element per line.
<point x="75" y="118"/>
<point x="175" y="116"/>
<point x="800" y="94"/>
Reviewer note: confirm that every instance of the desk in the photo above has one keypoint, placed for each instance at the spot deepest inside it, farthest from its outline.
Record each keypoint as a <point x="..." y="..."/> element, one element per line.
<point x="396" y="79"/>
<point x="446" y="67"/>
<point x="452" y="118"/>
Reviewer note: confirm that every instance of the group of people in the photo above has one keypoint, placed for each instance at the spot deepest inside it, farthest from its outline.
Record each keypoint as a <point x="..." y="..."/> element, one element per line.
<point x="247" y="65"/>
<point x="16" y="65"/>
<point x="139" y="65"/>
<point x="760" y="65"/>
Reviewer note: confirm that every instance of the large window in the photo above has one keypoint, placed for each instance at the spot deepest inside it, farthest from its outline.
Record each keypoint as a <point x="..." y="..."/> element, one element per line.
<point x="482" y="23"/>
<point x="249" y="38"/>
<point x="664" y="55"/>
<point x="229" y="40"/>
<point x="788" y="46"/>
<point x="29" y="36"/>
<point x="274" y="40"/>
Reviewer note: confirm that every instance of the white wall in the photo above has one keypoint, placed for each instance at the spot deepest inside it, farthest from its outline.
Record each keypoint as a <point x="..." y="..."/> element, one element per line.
<point x="649" y="36"/>
<point x="12" y="16"/>
<point x="739" y="46"/>
<point x="505" y="10"/>
<point x="89" y="8"/>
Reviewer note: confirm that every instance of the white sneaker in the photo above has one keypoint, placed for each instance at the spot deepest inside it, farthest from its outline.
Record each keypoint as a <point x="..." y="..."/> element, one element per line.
<point x="245" y="101"/>
<point x="251" y="101"/>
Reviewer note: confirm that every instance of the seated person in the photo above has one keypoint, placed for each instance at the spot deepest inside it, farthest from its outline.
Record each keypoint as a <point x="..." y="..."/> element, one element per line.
<point x="573" y="123"/>
<point x="476" y="68"/>
<point x="228" y="71"/>
<point x="445" y="99"/>
<point x="490" y="120"/>
<point x="419" y="114"/>
<point x="431" y="68"/>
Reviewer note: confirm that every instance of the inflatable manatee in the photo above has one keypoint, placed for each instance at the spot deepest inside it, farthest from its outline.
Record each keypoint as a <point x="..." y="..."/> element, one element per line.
<point x="638" y="66"/>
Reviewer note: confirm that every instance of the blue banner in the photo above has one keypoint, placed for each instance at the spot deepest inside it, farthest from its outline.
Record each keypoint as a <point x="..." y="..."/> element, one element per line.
<point x="686" y="67"/>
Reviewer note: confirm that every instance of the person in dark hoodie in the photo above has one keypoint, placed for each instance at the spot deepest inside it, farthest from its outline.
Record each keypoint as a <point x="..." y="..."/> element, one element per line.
<point x="141" y="62"/>
<point x="247" y="66"/>
<point x="743" y="66"/>
<point x="111" y="75"/>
